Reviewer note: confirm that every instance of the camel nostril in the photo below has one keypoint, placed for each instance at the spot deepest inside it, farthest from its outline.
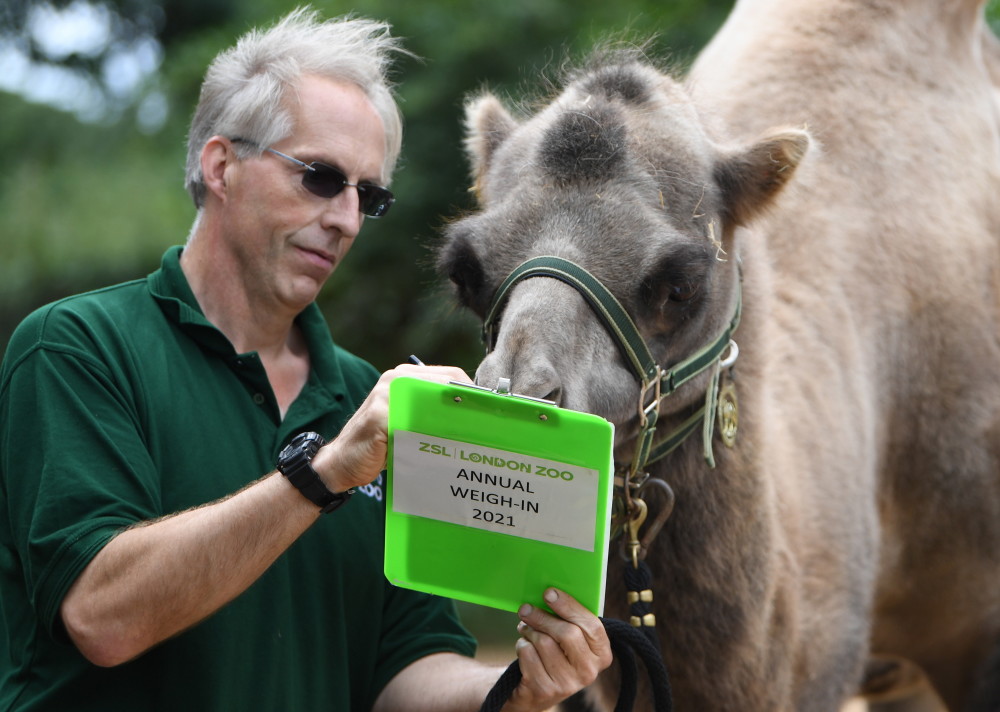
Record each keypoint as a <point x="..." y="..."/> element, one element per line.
<point x="555" y="395"/>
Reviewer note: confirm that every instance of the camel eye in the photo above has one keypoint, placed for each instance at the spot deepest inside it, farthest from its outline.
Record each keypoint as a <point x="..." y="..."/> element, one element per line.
<point x="675" y="284"/>
<point x="683" y="292"/>
<point x="460" y="263"/>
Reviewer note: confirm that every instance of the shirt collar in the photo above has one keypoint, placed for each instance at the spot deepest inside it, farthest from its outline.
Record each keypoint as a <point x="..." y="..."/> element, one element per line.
<point x="170" y="288"/>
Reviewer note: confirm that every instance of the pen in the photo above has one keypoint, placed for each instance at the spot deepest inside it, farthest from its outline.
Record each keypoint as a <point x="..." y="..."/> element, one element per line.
<point x="414" y="360"/>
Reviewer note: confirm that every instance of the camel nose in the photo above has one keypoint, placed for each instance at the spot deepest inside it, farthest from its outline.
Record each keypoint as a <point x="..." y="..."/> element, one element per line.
<point x="537" y="377"/>
<point x="546" y="384"/>
<point x="555" y="395"/>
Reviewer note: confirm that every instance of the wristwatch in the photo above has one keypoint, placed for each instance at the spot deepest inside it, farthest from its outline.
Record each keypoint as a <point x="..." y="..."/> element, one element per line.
<point x="295" y="463"/>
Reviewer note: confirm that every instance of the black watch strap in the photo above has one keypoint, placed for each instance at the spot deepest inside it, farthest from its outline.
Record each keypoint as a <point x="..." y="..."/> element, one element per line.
<point x="295" y="463"/>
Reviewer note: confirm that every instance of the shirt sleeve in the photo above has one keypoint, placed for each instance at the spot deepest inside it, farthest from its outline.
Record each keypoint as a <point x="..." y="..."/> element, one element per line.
<point x="416" y="625"/>
<point x="75" y="471"/>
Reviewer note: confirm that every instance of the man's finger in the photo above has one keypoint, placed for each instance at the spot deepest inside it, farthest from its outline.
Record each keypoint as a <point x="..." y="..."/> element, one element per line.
<point x="572" y="621"/>
<point x="442" y="374"/>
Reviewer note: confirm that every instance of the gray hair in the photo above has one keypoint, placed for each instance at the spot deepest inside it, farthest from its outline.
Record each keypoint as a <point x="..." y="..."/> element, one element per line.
<point x="245" y="87"/>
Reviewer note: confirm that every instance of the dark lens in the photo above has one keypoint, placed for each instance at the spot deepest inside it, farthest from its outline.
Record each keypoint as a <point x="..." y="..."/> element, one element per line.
<point x="375" y="200"/>
<point x="327" y="181"/>
<point x="323" y="180"/>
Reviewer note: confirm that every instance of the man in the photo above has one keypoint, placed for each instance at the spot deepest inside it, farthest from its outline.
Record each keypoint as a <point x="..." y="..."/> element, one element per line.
<point x="144" y="561"/>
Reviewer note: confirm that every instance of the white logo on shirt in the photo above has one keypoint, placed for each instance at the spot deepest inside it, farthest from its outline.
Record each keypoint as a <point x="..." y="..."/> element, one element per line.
<point x="373" y="489"/>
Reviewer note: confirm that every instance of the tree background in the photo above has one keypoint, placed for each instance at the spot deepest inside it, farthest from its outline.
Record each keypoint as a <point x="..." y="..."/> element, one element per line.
<point x="91" y="191"/>
<point x="92" y="196"/>
<point x="90" y="201"/>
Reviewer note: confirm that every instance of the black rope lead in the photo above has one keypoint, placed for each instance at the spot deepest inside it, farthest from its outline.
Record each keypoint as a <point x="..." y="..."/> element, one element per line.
<point x="503" y="689"/>
<point x="631" y="640"/>
<point x="639" y="585"/>
<point x="626" y="641"/>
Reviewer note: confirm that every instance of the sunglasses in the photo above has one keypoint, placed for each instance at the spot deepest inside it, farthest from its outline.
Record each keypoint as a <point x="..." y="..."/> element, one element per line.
<point x="326" y="182"/>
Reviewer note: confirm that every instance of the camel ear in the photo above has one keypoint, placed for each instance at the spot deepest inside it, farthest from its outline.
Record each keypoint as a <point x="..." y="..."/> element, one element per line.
<point x="487" y="125"/>
<point x="751" y="178"/>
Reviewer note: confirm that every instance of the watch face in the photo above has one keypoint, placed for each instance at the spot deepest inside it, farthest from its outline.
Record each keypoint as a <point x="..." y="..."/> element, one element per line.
<point x="309" y="442"/>
<point x="294" y="463"/>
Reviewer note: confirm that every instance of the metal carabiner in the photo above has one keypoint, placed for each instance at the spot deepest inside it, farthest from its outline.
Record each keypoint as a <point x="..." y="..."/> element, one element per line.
<point x="663" y="512"/>
<point x="633" y="525"/>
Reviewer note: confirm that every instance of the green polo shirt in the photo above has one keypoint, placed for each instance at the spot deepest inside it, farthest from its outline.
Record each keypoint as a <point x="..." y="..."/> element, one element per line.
<point x="125" y="404"/>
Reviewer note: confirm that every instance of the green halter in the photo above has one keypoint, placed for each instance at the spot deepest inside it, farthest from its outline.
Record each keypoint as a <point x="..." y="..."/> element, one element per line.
<point x="654" y="379"/>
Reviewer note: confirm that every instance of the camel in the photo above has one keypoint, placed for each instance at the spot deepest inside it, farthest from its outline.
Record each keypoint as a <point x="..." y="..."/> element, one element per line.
<point x="822" y="188"/>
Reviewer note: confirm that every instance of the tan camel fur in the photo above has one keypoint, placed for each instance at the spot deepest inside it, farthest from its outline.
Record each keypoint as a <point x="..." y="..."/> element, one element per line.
<point x="841" y="160"/>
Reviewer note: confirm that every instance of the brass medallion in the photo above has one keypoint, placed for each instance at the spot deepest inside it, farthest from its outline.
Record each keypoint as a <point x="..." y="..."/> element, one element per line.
<point x="728" y="413"/>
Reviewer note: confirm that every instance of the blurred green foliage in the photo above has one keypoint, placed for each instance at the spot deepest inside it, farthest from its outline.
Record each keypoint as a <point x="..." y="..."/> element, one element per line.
<point x="84" y="205"/>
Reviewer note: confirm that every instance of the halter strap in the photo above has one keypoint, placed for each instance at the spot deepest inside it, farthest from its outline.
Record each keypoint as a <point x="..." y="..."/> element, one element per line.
<point x="633" y="347"/>
<point x="610" y="311"/>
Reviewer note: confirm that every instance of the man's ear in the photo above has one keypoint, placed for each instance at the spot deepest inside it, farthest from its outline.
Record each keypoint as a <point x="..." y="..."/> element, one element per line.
<point x="216" y="156"/>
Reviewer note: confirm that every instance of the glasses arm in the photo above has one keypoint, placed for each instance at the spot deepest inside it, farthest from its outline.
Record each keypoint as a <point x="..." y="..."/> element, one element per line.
<point x="296" y="161"/>
<point x="305" y="165"/>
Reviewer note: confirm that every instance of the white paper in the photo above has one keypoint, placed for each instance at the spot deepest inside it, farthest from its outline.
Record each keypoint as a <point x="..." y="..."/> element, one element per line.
<point x="494" y="490"/>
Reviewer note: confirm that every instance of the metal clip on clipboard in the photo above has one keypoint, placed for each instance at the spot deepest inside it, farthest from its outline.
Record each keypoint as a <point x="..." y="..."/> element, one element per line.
<point x="502" y="389"/>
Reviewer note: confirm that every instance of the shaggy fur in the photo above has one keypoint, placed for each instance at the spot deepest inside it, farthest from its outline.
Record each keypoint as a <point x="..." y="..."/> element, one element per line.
<point x="842" y="158"/>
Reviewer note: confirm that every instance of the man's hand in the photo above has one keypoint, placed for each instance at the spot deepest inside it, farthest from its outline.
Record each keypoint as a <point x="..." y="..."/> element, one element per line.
<point x="558" y="656"/>
<point x="358" y="454"/>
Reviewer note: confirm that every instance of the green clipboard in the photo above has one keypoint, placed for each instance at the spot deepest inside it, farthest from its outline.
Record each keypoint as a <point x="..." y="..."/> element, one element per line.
<point x="492" y="498"/>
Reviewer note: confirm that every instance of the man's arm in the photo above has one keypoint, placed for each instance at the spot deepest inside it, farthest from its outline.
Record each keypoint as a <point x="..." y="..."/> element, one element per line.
<point x="155" y="580"/>
<point x="558" y="656"/>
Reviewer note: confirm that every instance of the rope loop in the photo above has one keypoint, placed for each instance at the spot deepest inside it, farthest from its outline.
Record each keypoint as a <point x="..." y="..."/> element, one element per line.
<point x="626" y="642"/>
